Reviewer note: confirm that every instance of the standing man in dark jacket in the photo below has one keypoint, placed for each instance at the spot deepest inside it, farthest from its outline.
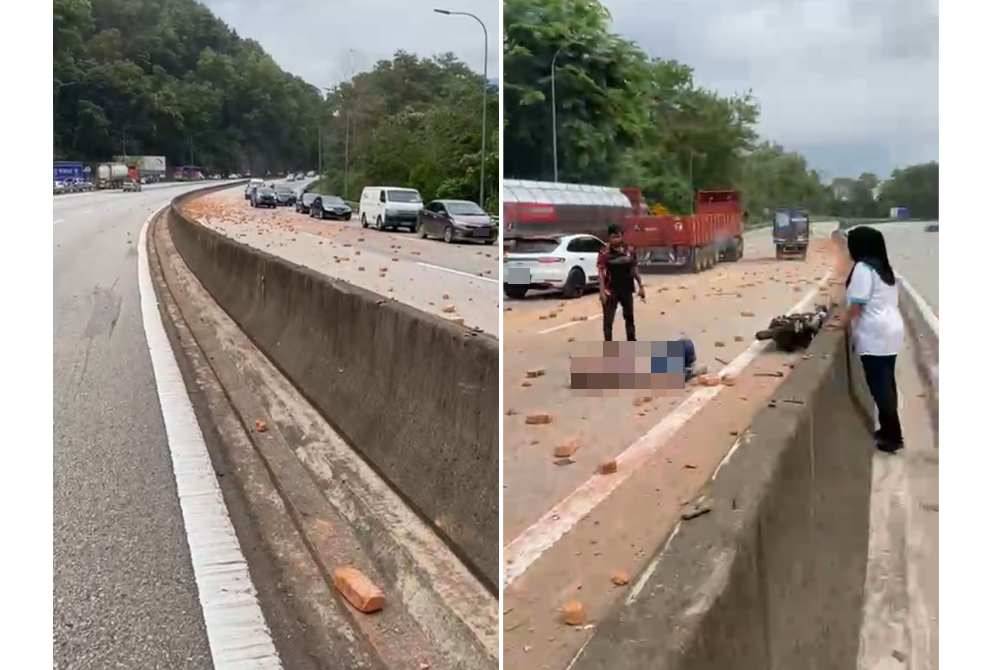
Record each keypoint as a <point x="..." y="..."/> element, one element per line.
<point x="619" y="273"/>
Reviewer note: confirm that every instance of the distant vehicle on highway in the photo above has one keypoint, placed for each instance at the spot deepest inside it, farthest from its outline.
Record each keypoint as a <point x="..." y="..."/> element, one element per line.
<point x="131" y="186"/>
<point x="456" y="220"/>
<point x="263" y="196"/>
<point x="331" y="206"/>
<point x="790" y="233"/>
<point x="299" y="176"/>
<point x="310" y="174"/>
<point x="931" y="228"/>
<point x="303" y="204"/>
<point x="390" y="207"/>
<point x="290" y="177"/>
<point x="248" y="191"/>
<point x="284" y="195"/>
<point x="564" y="262"/>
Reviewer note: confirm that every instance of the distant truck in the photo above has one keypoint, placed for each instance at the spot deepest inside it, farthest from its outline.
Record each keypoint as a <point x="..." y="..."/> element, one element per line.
<point x="696" y="242"/>
<point x="790" y="232"/>
<point x="899" y="213"/>
<point x="69" y="171"/>
<point x="150" y="168"/>
<point x="111" y="175"/>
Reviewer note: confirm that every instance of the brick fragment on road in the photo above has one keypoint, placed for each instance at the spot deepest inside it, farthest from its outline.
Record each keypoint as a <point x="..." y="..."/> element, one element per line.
<point x="537" y="372"/>
<point x="538" y="418"/>
<point x="448" y="309"/>
<point x="747" y="314"/>
<point x="573" y="613"/>
<point x="358" y="590"/>
<point x="708" y="380"/>
<point x="693" y="510"/>
<point x="567" y="448"/>
<point x="620" y="578"/>
<point x="608" y="467"/>
<point x="260" y="426"/>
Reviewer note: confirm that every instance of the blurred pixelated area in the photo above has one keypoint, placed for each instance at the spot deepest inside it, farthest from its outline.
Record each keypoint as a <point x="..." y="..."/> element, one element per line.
<point x="605" y="368"/>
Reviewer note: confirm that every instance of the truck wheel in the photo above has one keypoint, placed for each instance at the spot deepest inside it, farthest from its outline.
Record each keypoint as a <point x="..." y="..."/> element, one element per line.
<point x="364" y="221"/>
<point x="690" y="264"/>
<point x="574" y="284"/>
<point x="777" y="253"/>
<point x="515" y="291"/>
<point x="739" y="248"/>
<point x="378" y="223"/>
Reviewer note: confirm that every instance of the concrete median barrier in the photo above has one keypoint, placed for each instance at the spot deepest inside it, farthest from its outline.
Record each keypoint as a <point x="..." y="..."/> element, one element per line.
<point x="773" y="577"/>
<point x="415" y="395"/>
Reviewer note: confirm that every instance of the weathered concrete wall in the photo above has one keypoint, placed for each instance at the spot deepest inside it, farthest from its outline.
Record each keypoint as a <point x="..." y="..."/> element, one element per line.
<point x="773" y="577"/>
<point x="417" y="396"/>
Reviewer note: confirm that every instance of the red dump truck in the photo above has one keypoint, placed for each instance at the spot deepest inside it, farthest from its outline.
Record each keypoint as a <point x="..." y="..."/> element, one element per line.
<point x="695" y="242"/>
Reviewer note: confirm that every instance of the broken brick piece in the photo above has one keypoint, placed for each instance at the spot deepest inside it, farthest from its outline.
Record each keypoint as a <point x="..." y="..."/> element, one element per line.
<point x="538" y="372"/>
<point x="538" y="418"/>
<point x="448" y="309"/>
<point x="573" y="613"/>
<point x="567" y="448"/>
<point x="608" y="467"/>
<point x="358" y="590"/>
<point x="619" y="578"/>
<point x="708" y="380"/>
<point x="260" y="426"/>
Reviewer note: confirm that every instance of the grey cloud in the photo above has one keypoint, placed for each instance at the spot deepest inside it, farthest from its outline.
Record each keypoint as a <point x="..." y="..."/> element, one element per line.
<point x="324" y="41"/>
<point x="852" y="84"/>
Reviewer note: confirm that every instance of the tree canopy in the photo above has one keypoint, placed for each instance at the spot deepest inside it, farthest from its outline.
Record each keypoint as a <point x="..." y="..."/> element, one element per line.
<point x="624" y="118"/>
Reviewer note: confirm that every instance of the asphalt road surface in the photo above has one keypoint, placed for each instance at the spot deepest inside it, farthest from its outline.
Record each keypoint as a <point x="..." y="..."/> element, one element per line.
<point x="453" y="281"/>
<point x="124" y="591"/>
<point x="914" y="253"/>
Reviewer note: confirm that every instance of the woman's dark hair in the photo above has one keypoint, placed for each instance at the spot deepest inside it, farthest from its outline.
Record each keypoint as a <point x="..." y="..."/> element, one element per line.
<point x="866" y="245"/>
<point x="614" y="229"/>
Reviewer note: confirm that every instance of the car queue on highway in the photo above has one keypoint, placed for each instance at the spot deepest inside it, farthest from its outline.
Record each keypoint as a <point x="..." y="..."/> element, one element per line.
<point x="380" y="208"/>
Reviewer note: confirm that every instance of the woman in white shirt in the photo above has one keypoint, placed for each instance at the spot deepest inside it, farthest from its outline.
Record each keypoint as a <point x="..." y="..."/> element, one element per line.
<point x="876" y="327"/>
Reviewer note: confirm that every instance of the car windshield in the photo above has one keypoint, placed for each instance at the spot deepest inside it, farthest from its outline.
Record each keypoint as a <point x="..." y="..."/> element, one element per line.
<point x="461" y="208"/>
<point x="284" y="190"/>
<point x="266" y="191"/>
<point x="332" y="200"/>
<point x="403" y="196"/>
<point x="535" y="246"/>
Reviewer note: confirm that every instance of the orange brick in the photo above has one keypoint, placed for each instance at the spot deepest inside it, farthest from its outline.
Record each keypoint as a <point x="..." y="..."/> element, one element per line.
<point x="608" y="467"/>
<point x="619" y="578"/>
<point x="538" y="372"/>
<point x="260" y="426"/>
<point x="567" y="448"/>
<point x="573" y="613"/>
<point x="538" y="419"/>
<point x="358" y="590"/>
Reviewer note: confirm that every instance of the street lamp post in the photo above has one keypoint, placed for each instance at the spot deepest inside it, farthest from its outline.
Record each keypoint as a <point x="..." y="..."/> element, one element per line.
<point x="486" y="51"/>
<point x="555" y="133"/>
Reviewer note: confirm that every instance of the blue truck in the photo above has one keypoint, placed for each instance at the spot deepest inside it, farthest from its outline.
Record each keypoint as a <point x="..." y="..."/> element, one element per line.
<point x="68" y="171"/>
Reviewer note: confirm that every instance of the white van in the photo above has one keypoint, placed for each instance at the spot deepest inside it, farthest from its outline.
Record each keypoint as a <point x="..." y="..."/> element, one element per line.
<point x="390" y="207"/>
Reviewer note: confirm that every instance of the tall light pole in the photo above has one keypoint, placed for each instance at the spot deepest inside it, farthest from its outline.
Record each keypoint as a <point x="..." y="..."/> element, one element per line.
<point x="486" y="83"/>
<point x="347" y="130"/>
<point x="555" y="142"/>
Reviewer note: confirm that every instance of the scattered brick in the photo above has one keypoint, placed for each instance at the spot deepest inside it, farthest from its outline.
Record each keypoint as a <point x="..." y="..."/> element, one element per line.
<point x="567" y="448"/>
<point x="358" y="590"/>
<point x="538" y="419"/>
<point x="260" y="426"/>
<point x="538" y="372"/>
<point x="448" y="309"/>
<point x="573" y="613"/>
<point x="620" y="578"/>
<point x="608" y="467"/>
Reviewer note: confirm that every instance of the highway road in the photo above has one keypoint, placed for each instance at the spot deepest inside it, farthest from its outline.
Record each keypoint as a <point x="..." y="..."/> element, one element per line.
<point x="124" y="590"/>
<point x="914" y="253"/>
<point x="453" y="281"/>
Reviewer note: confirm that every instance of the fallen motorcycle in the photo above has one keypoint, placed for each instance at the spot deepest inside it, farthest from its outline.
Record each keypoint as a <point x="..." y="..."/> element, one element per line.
<point x="795" y="331"/>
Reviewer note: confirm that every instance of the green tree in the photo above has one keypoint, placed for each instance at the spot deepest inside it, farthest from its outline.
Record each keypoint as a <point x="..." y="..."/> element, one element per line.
<point x="914" y="187"/>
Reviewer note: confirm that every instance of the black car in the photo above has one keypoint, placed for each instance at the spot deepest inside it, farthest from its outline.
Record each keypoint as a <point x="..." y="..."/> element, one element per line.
<point x="285" y="195"/>
<point x="456" y="220"/>
<point x="330" y="206"/>
<point x="264" y="196"/>
<point x="303" y="204"/>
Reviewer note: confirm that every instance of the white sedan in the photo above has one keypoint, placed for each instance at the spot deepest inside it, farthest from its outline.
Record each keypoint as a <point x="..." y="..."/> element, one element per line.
<point x="564" y="262"/>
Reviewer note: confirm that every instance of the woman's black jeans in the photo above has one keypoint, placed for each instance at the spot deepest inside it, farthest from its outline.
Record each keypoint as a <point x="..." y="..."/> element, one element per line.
<point x="880" y="373"/>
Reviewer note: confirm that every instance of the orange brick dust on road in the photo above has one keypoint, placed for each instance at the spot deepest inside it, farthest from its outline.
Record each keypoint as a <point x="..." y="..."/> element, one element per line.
<point x="617" y="533"/>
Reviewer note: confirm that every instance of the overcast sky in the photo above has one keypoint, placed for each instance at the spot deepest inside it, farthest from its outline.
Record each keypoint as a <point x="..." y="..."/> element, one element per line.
<point x="851" y="84"/>
<point x="313" y="38"/>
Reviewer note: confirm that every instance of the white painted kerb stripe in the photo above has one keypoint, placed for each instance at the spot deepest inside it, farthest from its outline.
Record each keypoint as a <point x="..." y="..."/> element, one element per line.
<point x="238" y="635"/>
<point x="535" y="540"/>
<point x="925" y="310"/>
<point x="455" y="272"/>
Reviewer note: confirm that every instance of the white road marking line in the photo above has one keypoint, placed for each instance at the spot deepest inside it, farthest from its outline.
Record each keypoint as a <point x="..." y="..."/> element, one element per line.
<point x="238" y="635"/>
<point x="925" y="310"/>
<point x="538" y="538"/>
<point x="567" y="325"/>
<point x="455" y="272"/>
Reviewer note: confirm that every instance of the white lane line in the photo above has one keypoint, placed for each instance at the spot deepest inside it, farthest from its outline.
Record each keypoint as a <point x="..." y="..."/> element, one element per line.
<point x="238" y="635"/>
<point x="925" y="310"/>
<point x="455" y="272"/>
<point x="538" y="538"/>
<point x="567" y="325"/>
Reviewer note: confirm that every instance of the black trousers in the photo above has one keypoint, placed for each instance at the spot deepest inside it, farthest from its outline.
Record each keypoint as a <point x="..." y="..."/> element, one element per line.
<point x="880" y="373"/>
<point x="611" y="303"/>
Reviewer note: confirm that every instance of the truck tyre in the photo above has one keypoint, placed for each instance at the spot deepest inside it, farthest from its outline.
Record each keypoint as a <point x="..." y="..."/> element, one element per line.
<point x="517" y="292"/>
<point x="378" y="223"/>
<point x="364" y="221"/>
<point x="739" y="248"/>
<point x="575" y="283"/>
<point x="778" y="252"/>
